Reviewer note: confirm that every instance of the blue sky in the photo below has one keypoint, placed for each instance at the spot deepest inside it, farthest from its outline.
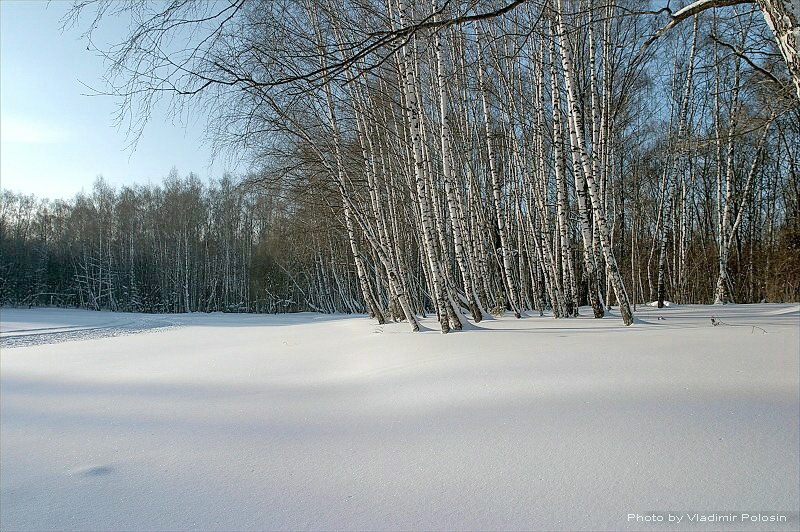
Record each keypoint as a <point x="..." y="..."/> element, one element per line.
<point x="55" y="139"/>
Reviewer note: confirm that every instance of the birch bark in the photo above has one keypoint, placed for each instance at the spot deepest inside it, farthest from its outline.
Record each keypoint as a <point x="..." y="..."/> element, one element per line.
<point x="671" y="174"/>
<point x="413" y="113"/>
<point x="508" y="279"/>
<point x="594" y="195"/>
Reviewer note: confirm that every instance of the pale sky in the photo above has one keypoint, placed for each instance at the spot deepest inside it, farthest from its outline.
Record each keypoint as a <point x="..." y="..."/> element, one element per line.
<point x="55" y="140"/>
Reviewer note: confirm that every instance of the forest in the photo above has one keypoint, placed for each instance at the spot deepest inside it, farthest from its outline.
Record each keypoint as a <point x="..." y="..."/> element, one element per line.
<point x="455" y="158"/>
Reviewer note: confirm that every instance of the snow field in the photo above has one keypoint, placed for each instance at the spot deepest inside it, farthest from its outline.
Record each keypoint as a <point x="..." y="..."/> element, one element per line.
<point x="330" y="422"/>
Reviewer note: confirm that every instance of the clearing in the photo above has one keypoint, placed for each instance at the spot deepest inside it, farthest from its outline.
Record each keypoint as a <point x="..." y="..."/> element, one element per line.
<point x="306" y="421"/>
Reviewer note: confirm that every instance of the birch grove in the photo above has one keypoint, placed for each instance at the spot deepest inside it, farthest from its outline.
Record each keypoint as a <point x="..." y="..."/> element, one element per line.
<point x="450" y="158"/>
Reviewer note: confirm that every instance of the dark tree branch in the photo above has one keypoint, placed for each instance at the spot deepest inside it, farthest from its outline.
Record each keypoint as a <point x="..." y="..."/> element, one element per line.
<point x="687" y="12"/>
<point x="766" y="73"/>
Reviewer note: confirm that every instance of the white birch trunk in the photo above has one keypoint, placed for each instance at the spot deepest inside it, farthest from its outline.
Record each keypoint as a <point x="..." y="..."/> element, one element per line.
<point x="584" y="209"/>
<point x="671" y="175"/>
<point x="413" y="114"/>
<point x="594" y="195"/>
<point x="447" y="171"/>
<point x="508" y="278"/>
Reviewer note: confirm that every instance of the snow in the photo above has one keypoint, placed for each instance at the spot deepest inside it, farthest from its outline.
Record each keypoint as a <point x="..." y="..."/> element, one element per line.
<point x="47" y="326"/>
<point x="306" y="421"/>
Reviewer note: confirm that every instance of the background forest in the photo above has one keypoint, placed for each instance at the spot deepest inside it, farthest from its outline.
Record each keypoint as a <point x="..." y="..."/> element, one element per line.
<point x="540" y="159"/>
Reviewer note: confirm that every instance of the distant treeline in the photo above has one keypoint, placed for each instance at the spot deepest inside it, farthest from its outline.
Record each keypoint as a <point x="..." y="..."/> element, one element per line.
<point x="186" y="246"/>
<point x="179" y="247"/>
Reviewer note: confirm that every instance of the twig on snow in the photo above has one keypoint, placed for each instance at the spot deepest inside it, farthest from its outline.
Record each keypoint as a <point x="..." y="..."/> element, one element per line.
<point x="716" y="321"/>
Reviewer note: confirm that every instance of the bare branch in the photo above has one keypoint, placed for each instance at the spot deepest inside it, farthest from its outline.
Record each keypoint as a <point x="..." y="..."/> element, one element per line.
<point x="686" y="12"/>
<point x="766" y="73"/>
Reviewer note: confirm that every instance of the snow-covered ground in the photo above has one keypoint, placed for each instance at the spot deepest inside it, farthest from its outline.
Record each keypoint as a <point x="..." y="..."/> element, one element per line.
<point x="20" y="328"/>
<point x="224" y="422"/>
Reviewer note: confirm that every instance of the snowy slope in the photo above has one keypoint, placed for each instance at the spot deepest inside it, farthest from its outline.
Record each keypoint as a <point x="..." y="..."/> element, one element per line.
<point x="331" y="422"/>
